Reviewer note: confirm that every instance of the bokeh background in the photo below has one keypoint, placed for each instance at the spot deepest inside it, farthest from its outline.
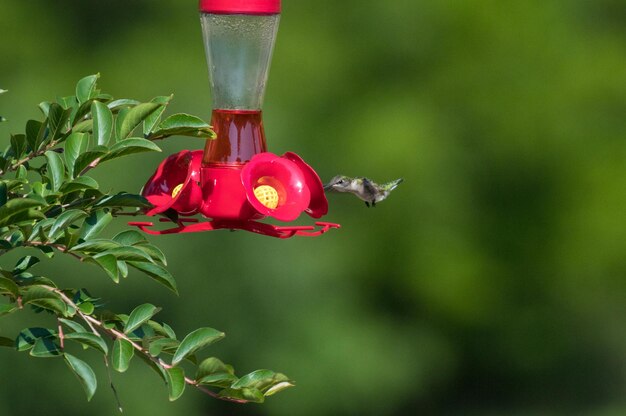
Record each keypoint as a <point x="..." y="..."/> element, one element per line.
<point x="492" y="282"/>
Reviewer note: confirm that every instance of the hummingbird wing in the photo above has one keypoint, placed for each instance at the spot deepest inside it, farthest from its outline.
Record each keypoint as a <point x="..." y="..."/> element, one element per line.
<point x="370" y="189"/>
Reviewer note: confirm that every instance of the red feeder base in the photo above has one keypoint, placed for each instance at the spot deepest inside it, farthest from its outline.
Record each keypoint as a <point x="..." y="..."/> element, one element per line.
<point x="194" y="225"/>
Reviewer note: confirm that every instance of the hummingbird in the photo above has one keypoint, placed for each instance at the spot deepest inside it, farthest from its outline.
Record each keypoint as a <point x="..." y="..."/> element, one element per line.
<point x="364" y="188"/>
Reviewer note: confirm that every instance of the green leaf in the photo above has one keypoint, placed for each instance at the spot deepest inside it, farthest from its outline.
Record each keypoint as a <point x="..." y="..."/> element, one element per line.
<point x="134" y="118"/>
<point x="213" y="372"/>
<point x="21" y="174"/>
<point x="169" y="331"/>
<point x="84" y="126"/>
<point x="156" y="272"/>
<point x="153" y="251"/>
<point x="40" y="229"/>
<point x="130" y="146"/>
<point x="153" y="119"/>
<point x="7" y="309"/>
<point x="81" y="111"/>
<point x="175" y="382"/>
<point x="255" y="379"/>
<point x="96" y="246"/>
<point x="65" y="219"/>
<point x="90" y="340"/>
<point x="86" y="158"/>
<point x="56" y="169"/>
<point x="160" y="344"/>
<point x="108" y="263"/>
<point x="27" y="337"/>
<point x="17" y="236"/>
<point x="184" y="125"/>
<point x="70" y="237"/>
<point x="222" y="380"/>
<point x="79" y="184"/>
<point x="84" y="373"/>
<point x="102" y="122"/>
<point x="68" y="102"/>
<point x="123" y="352"/>
<point x="75" y="326"/>
<point x="16" y="206"/>
<point x="130" y="237"/>
<point x="35" y="132"/>
<point x="26" y="218"/>
<point x="28" y="279"/>
<point x="57" y="120"/>
<point x="18" y="144"/>
<point x="140" y="315"/>
<point x="24" y="264"/>
<point x="213" y="365"/>
<point x="86" y="87"/>
<point x="278" y="387"/>
<point x="128" y="253"/>
<point x="121" y="103"/>
<point x="261" y="380"/>
<point x="8" y="286"/>
<point x="123" y="268"/>
<point x="86" y="308"/>
<point x="45" y="299"/>
<point x="247" y="394"/>
<point x="124" y="200"/>
<point x="103" y="97"/>
<point x="45" y="348"/>
<point x="45" y="108"/>
<point x="119" y="120"/>
<point x="196" y="340"/>
<point x="39" y="191"/>
<point x="94" y="224"/>
<point x="75" y="145"/>
<point x="82" y="295"/>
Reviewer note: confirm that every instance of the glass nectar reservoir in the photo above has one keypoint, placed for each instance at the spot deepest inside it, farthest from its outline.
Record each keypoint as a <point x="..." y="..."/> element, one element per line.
<point x="239" y="38"/>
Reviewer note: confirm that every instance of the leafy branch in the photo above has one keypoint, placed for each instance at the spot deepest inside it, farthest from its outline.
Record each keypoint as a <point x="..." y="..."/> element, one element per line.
<point x="48" y="203"/>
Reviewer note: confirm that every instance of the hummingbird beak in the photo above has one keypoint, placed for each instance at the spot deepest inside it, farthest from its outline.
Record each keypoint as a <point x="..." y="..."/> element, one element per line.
<point x="328" y="186"/>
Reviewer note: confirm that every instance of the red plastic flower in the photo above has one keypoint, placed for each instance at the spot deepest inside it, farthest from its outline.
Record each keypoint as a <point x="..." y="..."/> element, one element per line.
<point x="175" y="184"/>
<point x="318" y="207"/>
<point x="283" y="187"/>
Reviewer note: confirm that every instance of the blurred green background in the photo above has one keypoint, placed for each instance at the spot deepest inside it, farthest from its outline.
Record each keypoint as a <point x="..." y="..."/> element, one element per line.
<point x="493" y="281"/>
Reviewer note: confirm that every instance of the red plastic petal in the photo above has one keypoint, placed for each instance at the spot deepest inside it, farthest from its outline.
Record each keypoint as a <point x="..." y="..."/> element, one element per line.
<point x="318" y="207"/>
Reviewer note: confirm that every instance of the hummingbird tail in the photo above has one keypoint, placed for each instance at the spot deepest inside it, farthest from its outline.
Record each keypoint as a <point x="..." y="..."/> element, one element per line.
<point x="393" y="184"/>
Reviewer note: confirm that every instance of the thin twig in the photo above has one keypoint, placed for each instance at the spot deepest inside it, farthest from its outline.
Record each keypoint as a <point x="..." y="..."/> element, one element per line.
<point x="61" y="335"/>
<point x="31" y="156"/>
<point x="90" y="166"/>
<point x="59" y="247"/>
<point x="71" y="303"/>
<point x="113" y="389"/>
<point x="115" y="334"/>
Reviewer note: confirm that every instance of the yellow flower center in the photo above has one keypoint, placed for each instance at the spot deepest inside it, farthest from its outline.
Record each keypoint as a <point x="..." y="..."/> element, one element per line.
<point x="176" y="190"/>
<point x="267" y="196"/>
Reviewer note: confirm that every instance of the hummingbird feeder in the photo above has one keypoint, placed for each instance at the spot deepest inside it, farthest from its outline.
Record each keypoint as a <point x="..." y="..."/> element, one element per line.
<point x="234" y="182"/>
